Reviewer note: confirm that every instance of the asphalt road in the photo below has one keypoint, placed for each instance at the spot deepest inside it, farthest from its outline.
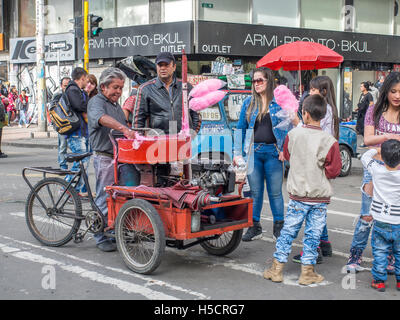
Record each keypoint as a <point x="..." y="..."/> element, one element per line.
<point x="29" y="270"/>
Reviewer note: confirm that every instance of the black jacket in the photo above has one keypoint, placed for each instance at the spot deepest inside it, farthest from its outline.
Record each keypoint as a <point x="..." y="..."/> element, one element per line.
<point x="154" y="104"/>
<point x="78" y="100"/>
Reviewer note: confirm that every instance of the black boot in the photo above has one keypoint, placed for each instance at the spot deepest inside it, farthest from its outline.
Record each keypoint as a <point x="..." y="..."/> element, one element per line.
<point x="254" y="232"/>
<point x="278" y="225"/>
<point x="326" y="248"/>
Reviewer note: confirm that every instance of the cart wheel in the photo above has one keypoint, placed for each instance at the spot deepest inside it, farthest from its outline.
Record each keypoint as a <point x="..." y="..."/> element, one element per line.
<point x="53" y="220"/>
<point x="345" y="156"/>
<point x="225" y="244"/>
<point x="140" y="236"/>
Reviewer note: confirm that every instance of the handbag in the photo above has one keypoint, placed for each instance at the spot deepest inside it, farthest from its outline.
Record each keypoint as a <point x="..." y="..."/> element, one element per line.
<point x="63" y="118"/>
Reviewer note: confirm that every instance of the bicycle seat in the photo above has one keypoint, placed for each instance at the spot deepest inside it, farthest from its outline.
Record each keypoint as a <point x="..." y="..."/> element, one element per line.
<point x="72" y="157"/>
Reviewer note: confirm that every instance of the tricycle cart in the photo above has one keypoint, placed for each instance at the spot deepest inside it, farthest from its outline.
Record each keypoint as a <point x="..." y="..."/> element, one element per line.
<point x="181" y="213"/>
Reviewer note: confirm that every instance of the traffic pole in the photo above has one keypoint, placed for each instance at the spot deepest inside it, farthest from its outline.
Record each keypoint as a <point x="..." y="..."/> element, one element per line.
<point x="86" y="35"/>
<point x="41" y="95"/>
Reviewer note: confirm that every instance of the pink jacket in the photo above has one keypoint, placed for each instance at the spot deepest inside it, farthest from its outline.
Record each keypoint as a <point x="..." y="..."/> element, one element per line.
<point x="11" y="101"/>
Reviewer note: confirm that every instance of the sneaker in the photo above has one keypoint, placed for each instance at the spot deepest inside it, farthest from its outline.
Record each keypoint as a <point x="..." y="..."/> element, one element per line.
<point x="398" y="285"/>
<point x="3" y="155"/>
<point x="297" y="259"/>
<point x="354" y="261"/>
<point x="19" y="126"/>
<point x="326" y="248"/>
<point x="378" y="285"/>
<point x="390" y="267"/>
<point x="107" y="246"/>
<point x="253" y="233"/>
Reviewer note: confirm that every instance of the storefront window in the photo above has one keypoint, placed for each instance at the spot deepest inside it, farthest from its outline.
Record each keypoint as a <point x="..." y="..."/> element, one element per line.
<point x="104" y="9"/>
<point x="324" y="15"/>
<point x="236" y="11"/>
<point x="131" y="13"/>
<point x="374" y="16"/>
<point x="275" y="13"/>
<point x="57" y="14"/>
<point x="178" y="10"/>
<point x="27" y="14"/>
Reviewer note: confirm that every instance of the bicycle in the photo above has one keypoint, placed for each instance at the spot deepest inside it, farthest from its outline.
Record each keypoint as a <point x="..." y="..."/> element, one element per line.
<point x="54" y="210"/>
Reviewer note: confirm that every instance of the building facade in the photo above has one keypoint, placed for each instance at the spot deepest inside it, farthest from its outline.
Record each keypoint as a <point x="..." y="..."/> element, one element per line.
<point x="365" y="32"/>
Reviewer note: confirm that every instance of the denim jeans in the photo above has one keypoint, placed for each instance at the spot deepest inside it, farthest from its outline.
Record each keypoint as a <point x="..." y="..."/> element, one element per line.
<point x="363" y="228"/>
<point x="104" y="172"/>
<point x="22" y="117"/>
<point x="315" y="218"/>
<point x="267" y="169"/>
<point x="78" y="144"/>
<point x="385" y="240"/>
<point x="62" y="151"/>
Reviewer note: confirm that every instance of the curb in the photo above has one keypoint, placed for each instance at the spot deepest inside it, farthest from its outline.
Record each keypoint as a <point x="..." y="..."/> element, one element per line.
<point x="28" y="145"/>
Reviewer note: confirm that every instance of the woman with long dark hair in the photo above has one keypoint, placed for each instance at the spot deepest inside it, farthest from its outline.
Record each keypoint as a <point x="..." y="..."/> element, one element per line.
<point x="258" y="123"/>
<point x="382" y="122"/>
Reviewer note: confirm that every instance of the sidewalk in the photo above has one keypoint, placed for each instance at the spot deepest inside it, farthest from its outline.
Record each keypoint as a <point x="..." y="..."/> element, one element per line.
<point x="29" y="137"/>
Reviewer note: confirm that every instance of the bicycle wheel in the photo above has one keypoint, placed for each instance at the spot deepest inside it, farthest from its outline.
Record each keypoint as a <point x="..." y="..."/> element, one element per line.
<point x="140" y="236"/>
<point x="53" y="216"/>
<point x="225" y="244"/>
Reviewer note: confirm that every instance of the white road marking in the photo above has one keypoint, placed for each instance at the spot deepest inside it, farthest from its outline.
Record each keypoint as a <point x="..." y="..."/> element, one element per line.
<point x="334" y="212"/>
<point x="346" y="200"/>
<point x="149" y="281"/>
<point x="125" y="286"/>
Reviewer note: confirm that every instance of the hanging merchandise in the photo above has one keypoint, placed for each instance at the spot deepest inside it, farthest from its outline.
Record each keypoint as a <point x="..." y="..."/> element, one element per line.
<point x="236" y="81"/>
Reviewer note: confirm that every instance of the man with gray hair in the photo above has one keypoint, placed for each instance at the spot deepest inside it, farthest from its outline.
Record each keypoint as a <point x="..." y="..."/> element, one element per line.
<point x="104" y="114"/>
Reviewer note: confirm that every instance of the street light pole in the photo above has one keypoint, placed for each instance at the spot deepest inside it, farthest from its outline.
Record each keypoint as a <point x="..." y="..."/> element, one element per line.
<point x="41" y="95"/>
<point x="86" y="35"/>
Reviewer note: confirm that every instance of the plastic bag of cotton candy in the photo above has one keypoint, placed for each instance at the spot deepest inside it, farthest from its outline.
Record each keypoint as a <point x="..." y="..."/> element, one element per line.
<point x="206" y="94"/>
<point x="289" y="104"/>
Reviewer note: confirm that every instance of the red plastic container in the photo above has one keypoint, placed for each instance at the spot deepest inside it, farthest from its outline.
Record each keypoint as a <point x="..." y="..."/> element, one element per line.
<point x="154" y="149"/>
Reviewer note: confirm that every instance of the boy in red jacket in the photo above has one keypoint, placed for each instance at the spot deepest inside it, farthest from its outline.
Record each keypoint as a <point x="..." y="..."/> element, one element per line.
<point x="314" y="159"/>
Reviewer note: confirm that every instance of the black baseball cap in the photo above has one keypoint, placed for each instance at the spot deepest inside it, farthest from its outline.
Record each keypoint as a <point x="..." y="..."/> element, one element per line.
<point x="165" y="57"/>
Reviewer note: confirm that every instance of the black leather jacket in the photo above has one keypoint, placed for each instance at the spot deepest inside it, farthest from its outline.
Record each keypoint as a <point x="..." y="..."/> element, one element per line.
<point x="155" y="105"/>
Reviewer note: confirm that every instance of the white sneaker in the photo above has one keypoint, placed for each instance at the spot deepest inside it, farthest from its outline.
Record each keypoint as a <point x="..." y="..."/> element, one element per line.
<point x="19" y="126"/>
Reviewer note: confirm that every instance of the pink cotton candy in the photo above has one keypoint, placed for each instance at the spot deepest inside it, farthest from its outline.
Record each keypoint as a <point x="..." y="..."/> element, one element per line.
<point x="201" y="103"/>
<point x="206" y="87"/>
<point x="285" y="98"/>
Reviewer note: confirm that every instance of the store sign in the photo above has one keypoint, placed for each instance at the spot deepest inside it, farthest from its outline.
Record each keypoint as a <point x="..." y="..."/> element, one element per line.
<point x="23" y="50"/>
<point x="219" y="38"/>
<point x="145" y="40"/>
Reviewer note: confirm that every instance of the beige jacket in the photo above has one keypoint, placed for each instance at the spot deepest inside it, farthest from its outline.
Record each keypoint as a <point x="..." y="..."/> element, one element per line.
<point x="314" y="159"/>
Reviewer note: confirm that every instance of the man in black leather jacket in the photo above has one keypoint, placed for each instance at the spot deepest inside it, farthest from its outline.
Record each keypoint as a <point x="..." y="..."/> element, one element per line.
<point x="159" y="101"/>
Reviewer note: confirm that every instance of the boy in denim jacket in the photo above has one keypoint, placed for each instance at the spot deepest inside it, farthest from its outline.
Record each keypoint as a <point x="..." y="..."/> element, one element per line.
<point x="314" y="159"/>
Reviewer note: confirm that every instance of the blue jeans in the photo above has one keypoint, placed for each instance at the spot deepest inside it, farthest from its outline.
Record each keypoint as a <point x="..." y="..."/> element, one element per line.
<point x="267" y="168"/>
<point x="78" y="144"/>
<point x="363" y="228"/>
<point x="385" y="241"/>
<point x="62" y="151"/>
<point x="104" y="172"/>
<point x="297" y="212"/>
<point x="22" y="117"/>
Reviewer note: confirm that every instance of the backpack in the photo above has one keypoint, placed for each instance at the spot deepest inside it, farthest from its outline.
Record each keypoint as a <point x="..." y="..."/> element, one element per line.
<point x="63" y="118"/>
<point x="2" y="112"/>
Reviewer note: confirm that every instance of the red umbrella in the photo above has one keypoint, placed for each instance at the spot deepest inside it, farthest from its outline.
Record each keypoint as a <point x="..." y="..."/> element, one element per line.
<point x="300" y="55"/>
